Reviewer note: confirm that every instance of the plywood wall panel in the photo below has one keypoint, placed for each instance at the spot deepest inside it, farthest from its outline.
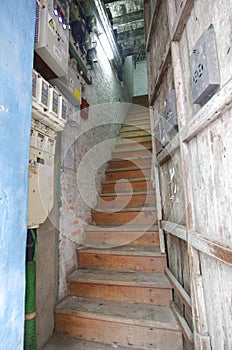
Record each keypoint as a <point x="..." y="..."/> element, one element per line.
<point x="217" y="290"/>
<point x="210" y="159"/>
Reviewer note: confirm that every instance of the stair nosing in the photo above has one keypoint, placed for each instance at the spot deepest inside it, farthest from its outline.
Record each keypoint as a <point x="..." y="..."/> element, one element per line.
<point x="126" y="209"/>
<point x="113" y="251"/>
<point x="132" y="158"/>
<point x="119" y="170"/>
<point x="129" y="228"/>
<point x="135" y="193"/>
<point x="136" y="179"/>
<point x="144" y="149"/>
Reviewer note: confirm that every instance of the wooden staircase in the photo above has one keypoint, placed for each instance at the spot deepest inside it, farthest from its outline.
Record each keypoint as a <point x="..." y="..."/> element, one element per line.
<point x="119" y="296"/>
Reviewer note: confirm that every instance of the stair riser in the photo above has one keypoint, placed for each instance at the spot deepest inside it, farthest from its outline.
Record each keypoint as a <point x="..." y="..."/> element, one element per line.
<point x="140" y="133"/>
<point x="132" y="153"/>
<point x="127" y="163"/>
<point x="126" y="187"/>
<point x="145" y="295"/>
<point x="128" y="174"/>
<point x="126" y="201"/>
<point x="121" y="262"/>
<point x="142" y="126"/>
<point x="133" y="145"/>
<point x="137" y="116"/>
<point x="116" y="239"/>
<point x="122" y="218"/>
<point x="138" y="139"/>
<point x="131" y="335"/>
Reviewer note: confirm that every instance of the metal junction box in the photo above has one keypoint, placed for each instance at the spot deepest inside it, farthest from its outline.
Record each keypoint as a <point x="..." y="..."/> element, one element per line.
<point x="204" y="67"/>
<point x="52" y="35"/>
<point x="169" y="120"/>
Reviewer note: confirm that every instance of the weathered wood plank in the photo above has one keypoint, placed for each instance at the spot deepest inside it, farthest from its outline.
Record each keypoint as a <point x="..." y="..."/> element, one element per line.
<point x="207" y="245"/>
<point x="213" y="109"/>
<point x="152" y="27"/>
<point x="162" y="69"/>
<point x="122" y="263"/>
<point x="178" y="288"/>
<point x="175" y="229"/>
<point x="181" y="20"/>
<point x="186" y="331"/>
<point x="166" y="153"/>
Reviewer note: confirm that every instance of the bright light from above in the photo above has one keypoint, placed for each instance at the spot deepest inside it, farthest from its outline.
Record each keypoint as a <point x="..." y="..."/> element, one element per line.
<point x="106" y="46"/>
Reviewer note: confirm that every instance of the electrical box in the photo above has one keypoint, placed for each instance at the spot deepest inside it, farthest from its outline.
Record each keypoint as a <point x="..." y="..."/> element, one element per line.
<point x="52" y="35"/>
<point x="41" y="173"/>
<point x="204" y="67"/>
<point x="169" y="120"/>
<point x="69" y="86"/>
<point x="49" y="115"/>
<point x="48" y="104"/>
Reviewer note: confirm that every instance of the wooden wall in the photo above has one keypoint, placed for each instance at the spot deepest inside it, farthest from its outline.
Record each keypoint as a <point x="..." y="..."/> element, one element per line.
<point x="193" y="173"/>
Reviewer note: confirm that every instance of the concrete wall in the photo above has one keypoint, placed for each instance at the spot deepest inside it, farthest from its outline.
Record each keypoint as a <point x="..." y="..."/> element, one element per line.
<point x="140" y="79"/>
<point x="128" y="75"/>
<point x="16" y="37"/>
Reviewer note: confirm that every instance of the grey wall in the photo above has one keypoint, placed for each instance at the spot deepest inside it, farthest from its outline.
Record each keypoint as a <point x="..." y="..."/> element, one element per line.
<point x="140" y="79"/>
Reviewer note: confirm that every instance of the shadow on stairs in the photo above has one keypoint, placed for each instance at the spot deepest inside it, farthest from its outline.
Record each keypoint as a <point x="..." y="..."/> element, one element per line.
<point x="119" y="296"/>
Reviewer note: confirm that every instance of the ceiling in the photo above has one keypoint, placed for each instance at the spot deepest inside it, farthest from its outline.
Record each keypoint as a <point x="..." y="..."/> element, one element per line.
<point x="128" y="23"/>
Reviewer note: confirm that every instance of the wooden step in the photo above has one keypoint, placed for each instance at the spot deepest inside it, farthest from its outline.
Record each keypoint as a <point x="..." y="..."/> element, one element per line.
<point x="128" y="153"/>
<point x="135" y="127"/>
<point x="132" y="145"/>
<point x="60" y="342"/>
<point x="108" y="237"/>
<point x="137" y="123"/>
<point x="138" y="184"/>
<point x="122" y="163"/>
<point x="119" y="323"/>
<point x="122" y="200"/>
<point x="126" y="258"/>
<point x="128" y="174"/>
<point x="136" y="116"/>
<point x="148" y="288"/>
<point x="136" y="110"/>
<point x="128" y="134"/>
<point x="142" y="100"/>
<point x="135" y="216"/>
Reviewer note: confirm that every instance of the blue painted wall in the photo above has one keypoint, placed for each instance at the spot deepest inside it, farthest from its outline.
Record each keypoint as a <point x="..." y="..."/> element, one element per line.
<point x="17" y="20"/>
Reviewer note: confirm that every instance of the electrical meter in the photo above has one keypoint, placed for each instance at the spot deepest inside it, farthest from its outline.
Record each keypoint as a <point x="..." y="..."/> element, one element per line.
<point x="48" y="104"/>
<point x="49" y="115"/>
<point x="41" y="173"/>
<point x="52" y="35"/>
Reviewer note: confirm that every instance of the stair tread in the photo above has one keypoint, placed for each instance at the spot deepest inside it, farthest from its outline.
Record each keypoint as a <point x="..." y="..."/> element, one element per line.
<point x="126" y="180"/>
<point x="123" y="312"/>
<point x="145" y="149"/>
<point x="135" y="193"/>
<point x="131" y="158"/>
<point x="128" y="228"/>
<point x="60" y="342"/>
<point x="132" y="168"/>
<point x="145" y="279"/>
<point x="123" y="210"/>
<point x="124" y="250"/>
